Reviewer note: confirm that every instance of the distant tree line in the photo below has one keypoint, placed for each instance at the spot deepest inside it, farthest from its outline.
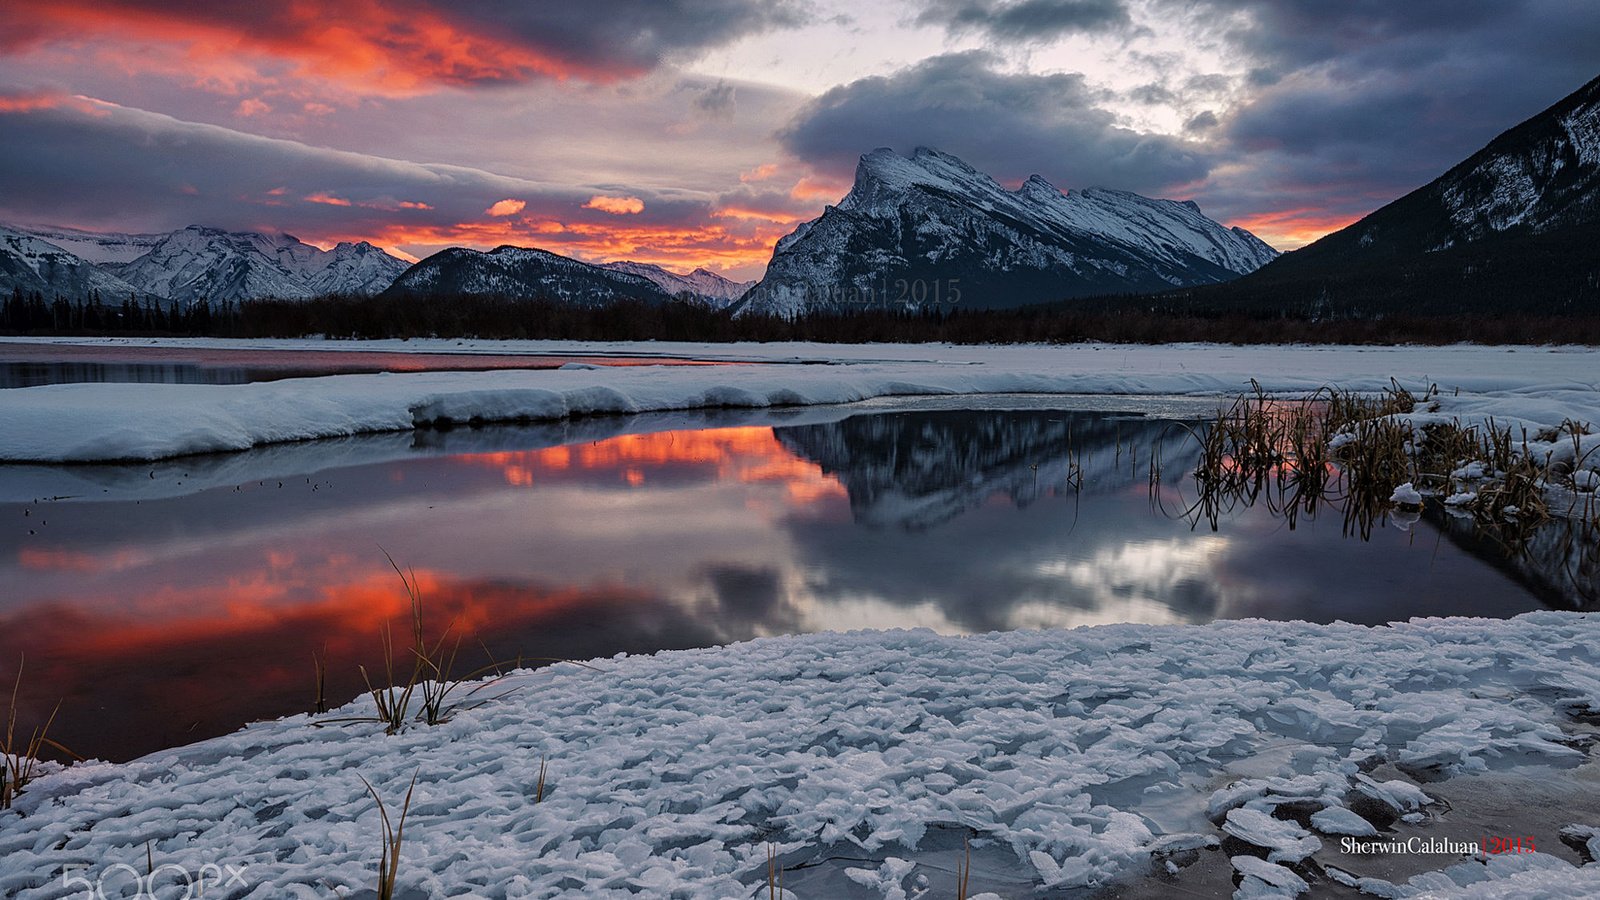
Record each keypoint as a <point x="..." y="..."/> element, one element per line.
<point x="29" y="313"/>
<point x="1140" y="320"/>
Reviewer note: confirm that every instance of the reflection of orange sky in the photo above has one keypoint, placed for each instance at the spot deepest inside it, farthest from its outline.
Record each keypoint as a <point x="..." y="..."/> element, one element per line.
<point x="128" y="672"/>
<point x="749" y="455"/>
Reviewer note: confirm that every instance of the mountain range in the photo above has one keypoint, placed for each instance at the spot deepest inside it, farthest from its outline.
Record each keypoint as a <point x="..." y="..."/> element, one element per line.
<point x="913" y="232"/>
<point x="188" y="265"/>
<point x="1513" y="227"/>
<point x="184" y="266"/>
<point x="526" y="273"/>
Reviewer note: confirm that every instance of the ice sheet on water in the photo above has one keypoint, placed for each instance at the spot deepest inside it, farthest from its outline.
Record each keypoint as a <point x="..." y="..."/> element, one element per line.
<point x="1263" y="880"/>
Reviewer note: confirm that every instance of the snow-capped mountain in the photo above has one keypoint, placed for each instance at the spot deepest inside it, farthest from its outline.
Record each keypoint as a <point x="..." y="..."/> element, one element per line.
<point x="1513" y="226"/>
<point x="34" y="264"/>
<point x="97" y="247"/>
<point x="524" y="273"/>
<point x="929" y="229"/>
<point x="355" y="268"/>
<point x="200" y="262"/>
<point x="187" y="265"/>
<point x="701" y="285"/>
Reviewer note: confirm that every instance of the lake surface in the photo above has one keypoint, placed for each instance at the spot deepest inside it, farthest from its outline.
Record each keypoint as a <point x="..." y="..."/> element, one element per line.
<point x="167" y="603"/>
<point x="31" y="365"/>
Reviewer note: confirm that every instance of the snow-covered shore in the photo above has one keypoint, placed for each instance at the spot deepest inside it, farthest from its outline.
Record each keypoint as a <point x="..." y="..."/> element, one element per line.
<point x="1080" y="756"/>
<point x="101" y="422"/>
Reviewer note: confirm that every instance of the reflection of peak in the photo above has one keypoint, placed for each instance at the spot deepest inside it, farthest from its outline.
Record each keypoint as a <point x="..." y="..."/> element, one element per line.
<point x="918" y="469"/>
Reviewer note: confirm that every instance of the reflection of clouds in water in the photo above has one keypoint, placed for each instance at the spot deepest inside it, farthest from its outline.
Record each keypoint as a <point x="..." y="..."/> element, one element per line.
<point x="852" y="612"/>
<point x="747" y="602"/>
<point x="1172" y="580"/>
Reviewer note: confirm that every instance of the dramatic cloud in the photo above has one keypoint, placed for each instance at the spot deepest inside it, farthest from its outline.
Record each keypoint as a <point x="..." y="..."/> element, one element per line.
<point x="68" y="166"/>
<point x="1008" y="125"/>
<point x="708" y="127"/>
<point x="1026" y="20"/>
<point x="405" y="45"/>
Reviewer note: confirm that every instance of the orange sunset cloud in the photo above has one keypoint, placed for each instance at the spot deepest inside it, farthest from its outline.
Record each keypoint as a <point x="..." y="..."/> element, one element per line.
<point x="507" y="207"/>
<point x="396" y="48"/>
<point x="621" y="206"/>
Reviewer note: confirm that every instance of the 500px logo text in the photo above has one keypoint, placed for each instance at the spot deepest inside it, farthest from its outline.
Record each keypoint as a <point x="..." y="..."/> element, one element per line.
<point x="170" y="878"/>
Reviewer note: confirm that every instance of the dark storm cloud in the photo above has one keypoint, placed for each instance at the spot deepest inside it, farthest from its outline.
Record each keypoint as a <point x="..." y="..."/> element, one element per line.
<point x="718" y="99"/>
<point x="631" y="33"/>
<point x="1008" y="125"/>
<point x="1026" y="20"/>
<point x="1354" y="104"/>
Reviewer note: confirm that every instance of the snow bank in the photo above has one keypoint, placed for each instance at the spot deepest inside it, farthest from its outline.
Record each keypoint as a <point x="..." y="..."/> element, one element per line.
<point x="1080" y="753"/>
<point x="106" y="422"/>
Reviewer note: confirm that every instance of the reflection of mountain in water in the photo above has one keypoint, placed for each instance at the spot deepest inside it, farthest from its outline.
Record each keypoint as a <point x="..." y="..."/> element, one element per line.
<point x="1558" y="560"/>
<point x="919" y="469"/>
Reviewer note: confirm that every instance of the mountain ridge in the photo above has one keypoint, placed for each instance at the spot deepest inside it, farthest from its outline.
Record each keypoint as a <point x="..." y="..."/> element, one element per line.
<point x="931" y="219"/>
<point x="1513" y="225"/>
<point x="523" y="273"/>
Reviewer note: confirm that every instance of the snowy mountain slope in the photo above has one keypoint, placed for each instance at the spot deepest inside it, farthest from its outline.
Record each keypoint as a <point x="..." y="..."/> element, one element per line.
<point x="32" y="264"/>
<point x="1514" y="226"/>
<point x="929" y="229"/>
<point x="702" y="284"/>
<point x="97" y="247"/>
<point x="354" y="268"/>
<point x="524" y="273"/>
<point x="199" y="262"/>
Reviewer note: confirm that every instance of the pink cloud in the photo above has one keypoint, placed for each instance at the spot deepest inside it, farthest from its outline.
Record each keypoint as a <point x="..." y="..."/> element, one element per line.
<point x="506" y="207"/>
<point x="619" y="206"/>
<point x="250" y="106"/>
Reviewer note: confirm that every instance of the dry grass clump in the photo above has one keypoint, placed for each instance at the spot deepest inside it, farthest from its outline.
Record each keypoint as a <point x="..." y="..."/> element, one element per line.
<point x="20" y="758"/>
<point x="418" y="682"/>
<point x="394" y="835"/>
<point x="429" y="680"/>
<point x="1353" y="448"/>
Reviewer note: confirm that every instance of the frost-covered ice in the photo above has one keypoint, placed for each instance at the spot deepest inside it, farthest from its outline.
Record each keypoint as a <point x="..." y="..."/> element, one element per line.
<point x="1077" y="754"/>
<point x="1264" y="879"/>
<point x="1530" y="388"/>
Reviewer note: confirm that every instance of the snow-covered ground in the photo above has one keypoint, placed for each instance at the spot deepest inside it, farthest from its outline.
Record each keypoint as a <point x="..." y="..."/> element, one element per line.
<point x="1536" y="387"/>
<point x="1071" y="758"/>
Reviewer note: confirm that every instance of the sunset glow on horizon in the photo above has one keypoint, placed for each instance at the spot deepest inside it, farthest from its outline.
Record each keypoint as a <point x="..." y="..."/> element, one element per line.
<point x="690" y="136"/>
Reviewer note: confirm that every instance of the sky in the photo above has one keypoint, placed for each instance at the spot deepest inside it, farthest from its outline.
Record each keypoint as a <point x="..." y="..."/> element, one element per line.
<point x="695" y="133"/>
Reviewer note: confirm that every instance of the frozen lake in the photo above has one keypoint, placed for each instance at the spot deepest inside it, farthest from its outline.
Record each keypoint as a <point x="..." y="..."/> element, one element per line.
<point x="169" y="602"/>
<point x="29" y="365"/>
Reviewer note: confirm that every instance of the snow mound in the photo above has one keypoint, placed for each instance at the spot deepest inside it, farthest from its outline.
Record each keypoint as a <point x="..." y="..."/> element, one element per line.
<point x="1405" y="495"/>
